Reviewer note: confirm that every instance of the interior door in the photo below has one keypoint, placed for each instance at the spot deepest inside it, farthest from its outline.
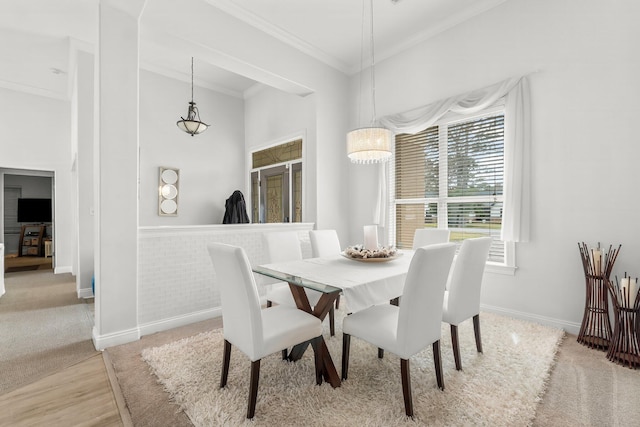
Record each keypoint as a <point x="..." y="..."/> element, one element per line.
<point x="274" y="192"/>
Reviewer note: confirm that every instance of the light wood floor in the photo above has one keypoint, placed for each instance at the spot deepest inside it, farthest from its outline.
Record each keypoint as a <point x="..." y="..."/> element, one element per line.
<point x="17" y="263"/>
<point x="80" y="395"/>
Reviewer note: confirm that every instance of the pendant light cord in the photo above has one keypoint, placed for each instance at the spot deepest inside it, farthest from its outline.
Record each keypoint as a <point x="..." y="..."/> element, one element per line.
<point x="372" y="69"/>
<point x="192" y="79"/>
<point x="373" y="74"/>
<point x="361" y="64"/>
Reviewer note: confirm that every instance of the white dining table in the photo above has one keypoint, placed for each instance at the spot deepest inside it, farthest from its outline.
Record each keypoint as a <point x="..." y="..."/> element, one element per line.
<point x="362" y="283"/>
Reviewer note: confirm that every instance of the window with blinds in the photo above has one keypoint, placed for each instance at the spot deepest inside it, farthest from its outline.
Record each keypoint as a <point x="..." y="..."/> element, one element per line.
<point x="451" y="175"/>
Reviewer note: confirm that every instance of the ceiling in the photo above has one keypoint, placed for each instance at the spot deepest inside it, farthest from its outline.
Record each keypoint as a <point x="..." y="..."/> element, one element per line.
<point x="329" y="30"/>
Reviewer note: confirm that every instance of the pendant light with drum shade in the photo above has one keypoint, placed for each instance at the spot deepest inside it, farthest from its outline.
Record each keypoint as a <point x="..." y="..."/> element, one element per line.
<point x="192" y="124"/>
<point x="369" y="144"/>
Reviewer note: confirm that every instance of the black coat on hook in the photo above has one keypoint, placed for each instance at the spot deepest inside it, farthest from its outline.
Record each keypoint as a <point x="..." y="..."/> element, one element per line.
<point x="235" y="209"/>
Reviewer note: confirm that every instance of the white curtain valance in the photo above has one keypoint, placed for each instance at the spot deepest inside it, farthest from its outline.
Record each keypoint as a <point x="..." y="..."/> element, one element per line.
<point x="517" y="136"/>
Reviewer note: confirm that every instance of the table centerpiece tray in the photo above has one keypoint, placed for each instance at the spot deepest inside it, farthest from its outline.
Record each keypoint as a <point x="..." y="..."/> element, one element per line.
<point x="358" y="253"/>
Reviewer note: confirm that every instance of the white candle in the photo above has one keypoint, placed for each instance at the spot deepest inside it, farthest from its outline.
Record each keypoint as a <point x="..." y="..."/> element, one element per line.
<point x="596" y="261"/>
<point x="633" y="291"/>
<point x="624" y="291"/>
<point x="371" y="237"/>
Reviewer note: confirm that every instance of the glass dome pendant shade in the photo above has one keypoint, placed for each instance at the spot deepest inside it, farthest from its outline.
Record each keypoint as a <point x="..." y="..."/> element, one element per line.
<point x="192" y="124"/>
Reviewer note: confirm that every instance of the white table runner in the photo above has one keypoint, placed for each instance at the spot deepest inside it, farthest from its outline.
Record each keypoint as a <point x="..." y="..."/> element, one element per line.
<point x="363" y="283"/>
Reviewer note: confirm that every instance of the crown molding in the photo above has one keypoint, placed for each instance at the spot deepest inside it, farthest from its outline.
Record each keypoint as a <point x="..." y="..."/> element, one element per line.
<point x="172" y="74"/>
<point x="253" y="90"/>
<point x="450" y="22"/>
<point x="33" y="90"/>
<point x="261" y="24"/>
<point x="255" y="21"/>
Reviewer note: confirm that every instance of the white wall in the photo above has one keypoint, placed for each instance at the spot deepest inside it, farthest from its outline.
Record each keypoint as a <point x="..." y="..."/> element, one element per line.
<point x="35" y="134"/>
<point x="117" y="103"/>
<point x="584" y="144"/>
<point x="249" y="52"/>
<point x="273" y="116"/>
<point x="85" y="173"/>
<point x="211" y="164"/>
<point x="170" y="297"/>
<point x="31" y="58"/>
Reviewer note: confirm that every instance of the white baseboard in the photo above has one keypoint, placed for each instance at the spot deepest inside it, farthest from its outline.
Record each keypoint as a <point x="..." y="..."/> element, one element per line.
<point x="85" y="293"/>
<point x="174" y="322"/>
<point x="100" y="342"/>
<point x="570" y="327"/>
<point x="63" y="269"/>
<point x="122" y="337"/>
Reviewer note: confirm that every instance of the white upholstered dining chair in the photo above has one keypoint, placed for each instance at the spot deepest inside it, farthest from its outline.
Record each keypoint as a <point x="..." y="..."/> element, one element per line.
<point x="281" y="246"/>
<point x="410" y="327"/>
<point x="462" y="297"/>
<point x="429" y="236"/>
<point x="325" y="243"/>
<point x="255" y="332"/>
<point x="423" y="237"/>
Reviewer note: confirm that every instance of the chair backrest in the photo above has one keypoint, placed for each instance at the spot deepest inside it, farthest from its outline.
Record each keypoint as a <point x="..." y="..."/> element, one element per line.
<point x="324" y="243"/>
<point x="420" y="314"/>
<point x="241" y="318"/>
<point x="430" y="236"/>
<point x="466" y="279"/>
<point x="281" y="246"/>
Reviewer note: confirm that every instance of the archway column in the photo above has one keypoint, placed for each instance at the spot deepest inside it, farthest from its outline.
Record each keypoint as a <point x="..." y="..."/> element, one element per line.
<point x="116" y="186"/>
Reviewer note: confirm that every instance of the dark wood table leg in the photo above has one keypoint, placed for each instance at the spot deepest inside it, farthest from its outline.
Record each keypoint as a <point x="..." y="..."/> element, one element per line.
<point x="329" y="372"/>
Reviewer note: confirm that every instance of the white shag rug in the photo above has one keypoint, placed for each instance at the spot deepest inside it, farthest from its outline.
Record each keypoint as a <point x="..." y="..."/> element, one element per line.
<point x="500" y="387"/>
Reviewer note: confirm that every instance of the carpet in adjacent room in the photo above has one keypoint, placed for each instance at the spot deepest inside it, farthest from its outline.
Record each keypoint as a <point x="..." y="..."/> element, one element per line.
<point x="44" y="327"/>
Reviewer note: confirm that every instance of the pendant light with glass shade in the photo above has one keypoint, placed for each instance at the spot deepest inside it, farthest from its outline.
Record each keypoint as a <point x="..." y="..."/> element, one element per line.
<point x="369" y="144"/>
<point x="192" y="124"/>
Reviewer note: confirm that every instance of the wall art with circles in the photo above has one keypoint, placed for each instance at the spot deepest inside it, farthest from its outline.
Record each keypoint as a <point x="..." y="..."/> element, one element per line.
<point x="169" y="180"/>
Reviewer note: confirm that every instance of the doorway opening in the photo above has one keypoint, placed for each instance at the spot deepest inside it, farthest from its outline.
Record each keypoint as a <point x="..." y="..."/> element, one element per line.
<point x="27" y="224"/>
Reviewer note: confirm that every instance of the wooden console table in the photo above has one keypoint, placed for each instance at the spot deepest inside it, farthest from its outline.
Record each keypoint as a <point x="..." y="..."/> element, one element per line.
<point x="595" y="331"/>
<point x="625" y="348"/>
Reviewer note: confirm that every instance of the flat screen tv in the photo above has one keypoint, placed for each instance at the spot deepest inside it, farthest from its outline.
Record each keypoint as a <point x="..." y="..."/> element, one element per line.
<point x="34" y="210"/>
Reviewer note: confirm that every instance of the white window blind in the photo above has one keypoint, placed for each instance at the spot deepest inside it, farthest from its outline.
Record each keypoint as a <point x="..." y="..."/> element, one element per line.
<point x="451" y="175"/>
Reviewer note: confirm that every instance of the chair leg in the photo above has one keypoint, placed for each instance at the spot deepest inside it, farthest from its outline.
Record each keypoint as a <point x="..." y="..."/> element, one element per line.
<point x="332" y="322"/>
<point x="437" y="361"/>
<point x="406" y="387"/>
<point x="315" y="343"/>
<point x="253" y="388"/>
<point x="338" y="302"/>
<point x="226" y="358"/>
<point x="346" y="344"/>
<point x="476" y="329"/>
<point x="456" y="346"/>
<point x="380" y="353"/>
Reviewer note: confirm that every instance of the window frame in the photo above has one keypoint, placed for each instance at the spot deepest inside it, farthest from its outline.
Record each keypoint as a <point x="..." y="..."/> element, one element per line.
<point x="508" y="267"/>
